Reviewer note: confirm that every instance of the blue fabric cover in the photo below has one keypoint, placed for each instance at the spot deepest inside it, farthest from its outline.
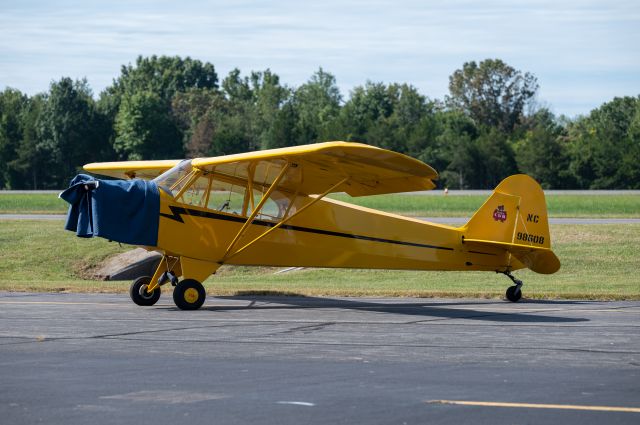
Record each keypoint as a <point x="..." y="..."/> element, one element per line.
<point x="124" y="211"/>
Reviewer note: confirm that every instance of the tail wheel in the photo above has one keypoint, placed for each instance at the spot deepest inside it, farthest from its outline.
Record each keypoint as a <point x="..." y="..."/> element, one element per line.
<point x="139" y="294"/>
<point x="189" y="295"/>
<point x="514" y="293"/>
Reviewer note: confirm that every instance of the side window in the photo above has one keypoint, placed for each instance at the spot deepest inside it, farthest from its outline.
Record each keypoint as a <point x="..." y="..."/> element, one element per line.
<point x="225" y="189"/>
<point x="173" y="180"/>
<point x="226" y="196"/>
<point x="269" y="210"/>
<point x="195" y="194"/>
<point x="275" y="207"/>
<point x="215" y="193"/>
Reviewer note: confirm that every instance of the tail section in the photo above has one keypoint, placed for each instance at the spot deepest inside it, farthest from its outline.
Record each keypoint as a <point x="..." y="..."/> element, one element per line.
<point x="514" y="218"/>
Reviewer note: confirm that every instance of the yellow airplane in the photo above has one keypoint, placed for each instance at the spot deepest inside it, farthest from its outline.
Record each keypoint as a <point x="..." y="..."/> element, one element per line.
<point x="269" y="208"/>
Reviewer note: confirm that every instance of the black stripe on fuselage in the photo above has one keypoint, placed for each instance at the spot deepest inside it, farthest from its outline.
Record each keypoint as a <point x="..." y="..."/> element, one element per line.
<point x="483" y="253"/>
<point x="179" y="211"/>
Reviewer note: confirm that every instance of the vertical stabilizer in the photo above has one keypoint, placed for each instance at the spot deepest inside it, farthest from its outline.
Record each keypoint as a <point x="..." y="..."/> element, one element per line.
<point x="515" y="218"/>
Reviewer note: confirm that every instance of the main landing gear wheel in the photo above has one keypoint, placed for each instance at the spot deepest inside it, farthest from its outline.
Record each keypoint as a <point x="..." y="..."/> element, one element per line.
<point x="514" y="293"/>
<point x="189" y="295"/>
<point x="139" y="294"/>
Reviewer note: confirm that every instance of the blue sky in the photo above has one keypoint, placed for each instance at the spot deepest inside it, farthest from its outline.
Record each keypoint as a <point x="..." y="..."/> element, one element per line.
<point x="584" y="53"/>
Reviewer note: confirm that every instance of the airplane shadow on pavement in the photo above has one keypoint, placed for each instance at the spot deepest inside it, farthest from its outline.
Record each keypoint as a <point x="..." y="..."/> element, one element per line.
<point x="421" y="310"/>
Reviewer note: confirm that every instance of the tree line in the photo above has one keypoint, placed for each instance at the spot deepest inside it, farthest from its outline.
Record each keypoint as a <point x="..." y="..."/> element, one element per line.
<point x="486" y="128"/>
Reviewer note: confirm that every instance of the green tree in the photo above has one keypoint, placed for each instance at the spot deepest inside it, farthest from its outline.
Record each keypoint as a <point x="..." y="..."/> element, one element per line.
<point x="258" y="98"/>
<point x="390" y="116"/>
<point x="27" y="169"/>
<point x="542" y="152"/>
<point x="240" y="117"/>
<point x="496" y="159"/>
<point x="453" y="151"/>
<point x="146" y="129"/>
<point x="195" y="111"/>
<point x="269" y="98"/>
<point x="605" y="147"/>
<point x="164" y="76"/>
<point x="70" y="131"/>
<point x="493" y="93"/>
<point x="12" y="104"/>
<point x="317" y="105"/>
<point x="283" y="131"/>
<point x="150" y="85"/>
<point x="368" y="105"/>
<point x="411" y="119"/>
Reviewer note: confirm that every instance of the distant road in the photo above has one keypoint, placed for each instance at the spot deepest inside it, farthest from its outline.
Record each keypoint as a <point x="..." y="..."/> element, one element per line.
<point x="440" y="192"/>
<point x="440" y="220"/>
<point x="30" y="192"/>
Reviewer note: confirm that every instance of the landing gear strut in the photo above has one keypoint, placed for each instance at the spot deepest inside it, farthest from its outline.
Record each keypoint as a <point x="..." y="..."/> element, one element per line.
<point x="513" y="293"/>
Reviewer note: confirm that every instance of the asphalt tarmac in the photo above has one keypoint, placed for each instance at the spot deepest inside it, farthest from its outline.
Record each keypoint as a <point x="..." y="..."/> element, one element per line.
<point x="96" y="358"/>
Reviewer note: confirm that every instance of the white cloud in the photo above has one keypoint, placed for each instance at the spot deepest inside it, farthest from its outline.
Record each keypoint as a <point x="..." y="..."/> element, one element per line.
<point x="418" y="42"/>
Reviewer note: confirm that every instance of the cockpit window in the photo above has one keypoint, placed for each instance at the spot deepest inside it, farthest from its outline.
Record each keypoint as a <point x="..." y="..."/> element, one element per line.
<point x="231" y="188"/>
<point x="172" y="180"/>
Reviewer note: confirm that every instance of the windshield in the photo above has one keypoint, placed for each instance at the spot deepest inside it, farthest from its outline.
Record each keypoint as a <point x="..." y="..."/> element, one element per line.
<point x="172" y="180"/>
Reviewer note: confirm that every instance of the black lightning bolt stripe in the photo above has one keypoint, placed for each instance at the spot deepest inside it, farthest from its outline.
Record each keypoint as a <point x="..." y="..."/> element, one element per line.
<point x="178" y="212"/>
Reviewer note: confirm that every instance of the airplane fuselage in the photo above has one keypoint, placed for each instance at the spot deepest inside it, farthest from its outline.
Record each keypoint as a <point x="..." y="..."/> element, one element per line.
<point x="330" y="233"/>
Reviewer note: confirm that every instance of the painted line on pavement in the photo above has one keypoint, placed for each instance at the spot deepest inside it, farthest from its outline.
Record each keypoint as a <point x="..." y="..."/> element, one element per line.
<point x="537" y="406"/>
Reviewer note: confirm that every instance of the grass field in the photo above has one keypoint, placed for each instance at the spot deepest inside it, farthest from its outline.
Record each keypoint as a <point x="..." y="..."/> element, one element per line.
<point x="612" y="206"/>
<point x="621" y="206"/>
<point x="598" y="262"/>
<point x="37" y="203"/>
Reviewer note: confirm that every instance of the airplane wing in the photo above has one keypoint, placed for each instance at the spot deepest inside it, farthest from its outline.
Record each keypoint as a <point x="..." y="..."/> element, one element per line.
<point x="370" y="170"/>
<point x="130" y="169"/>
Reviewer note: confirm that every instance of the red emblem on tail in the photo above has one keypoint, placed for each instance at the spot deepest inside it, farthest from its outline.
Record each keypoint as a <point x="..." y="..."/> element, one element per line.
<point x="499" y="214"/>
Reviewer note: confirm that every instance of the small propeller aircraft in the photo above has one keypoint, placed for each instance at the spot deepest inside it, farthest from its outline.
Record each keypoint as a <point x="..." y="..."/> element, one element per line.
<point x="269" y="208"/>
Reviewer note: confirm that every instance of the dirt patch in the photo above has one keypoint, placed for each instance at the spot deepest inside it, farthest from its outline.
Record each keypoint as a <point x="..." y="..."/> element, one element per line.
<point x="126" y="266"/>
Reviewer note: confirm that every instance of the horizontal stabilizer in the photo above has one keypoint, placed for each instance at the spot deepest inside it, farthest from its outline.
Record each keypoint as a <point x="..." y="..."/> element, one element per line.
<point x="538" y="259"/>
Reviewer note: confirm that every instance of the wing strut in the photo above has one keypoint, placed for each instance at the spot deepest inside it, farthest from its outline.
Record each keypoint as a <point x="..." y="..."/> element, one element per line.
<point x="255" y="211"/>
<point x="283" y="221"/>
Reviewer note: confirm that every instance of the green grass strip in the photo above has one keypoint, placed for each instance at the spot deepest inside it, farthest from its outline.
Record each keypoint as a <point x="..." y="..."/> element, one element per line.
<point x="597" y="206"/>
<point x="598" y="262"/>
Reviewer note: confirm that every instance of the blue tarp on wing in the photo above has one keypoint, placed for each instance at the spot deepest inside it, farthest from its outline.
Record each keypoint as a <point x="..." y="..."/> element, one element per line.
<point x="124" y="211"/>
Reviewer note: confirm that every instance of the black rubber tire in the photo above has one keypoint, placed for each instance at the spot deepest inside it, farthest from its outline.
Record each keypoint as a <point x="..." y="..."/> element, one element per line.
<point x="514" y="294"/>
<point x="138" y="292"/>
<point x="189" y="295"/>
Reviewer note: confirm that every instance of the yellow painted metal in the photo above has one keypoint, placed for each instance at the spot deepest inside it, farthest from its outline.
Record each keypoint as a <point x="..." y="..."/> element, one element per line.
<point x="510" y="231"/>
<point x="256" y="210"/>
<point x="171" y="264"/>
<point x="329" y="233"/>
<point x="523" y="203"/>
<point x="191" y="295"/>
<point x="514" y="218"/>
<point x="288" y="218"/>
<point x="207" y="192"/>
<point x="131" y="169"/>
<point x="373" y="170"/>
<point x="153" y="284"/>
<point x="191" y="177"/>
<point x="197" y="269"/>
